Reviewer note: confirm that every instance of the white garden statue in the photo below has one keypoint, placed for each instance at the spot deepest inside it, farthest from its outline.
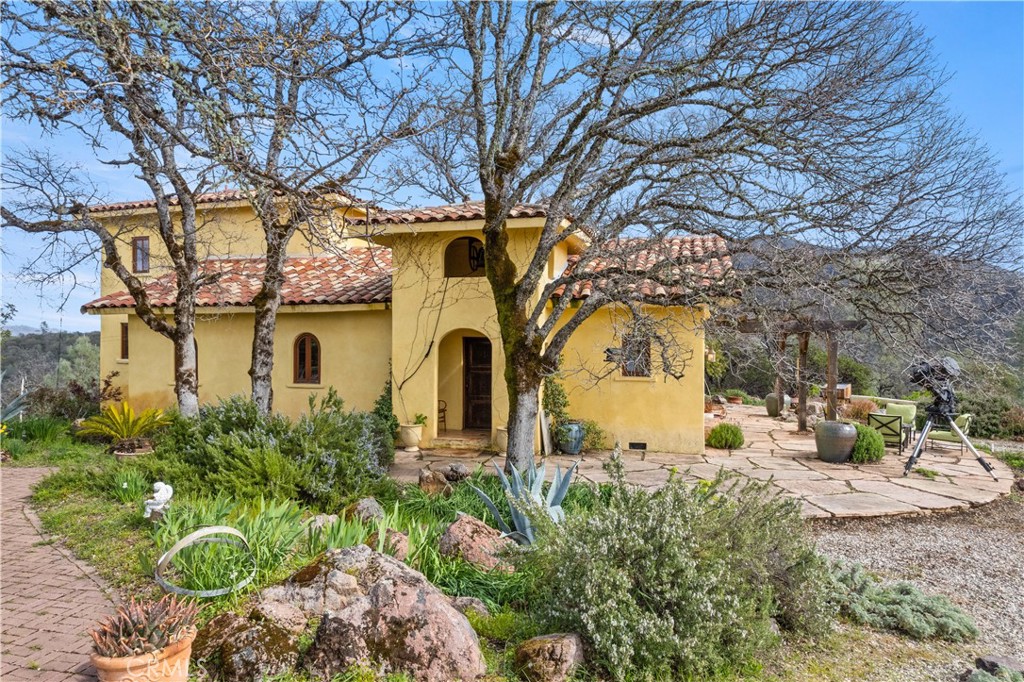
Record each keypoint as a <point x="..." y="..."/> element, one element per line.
<point x="162" y="494"/>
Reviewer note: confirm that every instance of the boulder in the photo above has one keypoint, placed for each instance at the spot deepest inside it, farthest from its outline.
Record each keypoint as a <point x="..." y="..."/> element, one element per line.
<point x="455" y="472"/>
<point x="396" y="543"/>
<point x="310" y="591"/>
<point x="993" y="664"/>
<point x="551" y="658"/>
<point x="434" y="483"/>
<point x="366" y="510"/>
<point x="239" y="649"/>
<point x="465" y="605"/>
<point x="474" y="541"/>
<point x="399" y="623"/>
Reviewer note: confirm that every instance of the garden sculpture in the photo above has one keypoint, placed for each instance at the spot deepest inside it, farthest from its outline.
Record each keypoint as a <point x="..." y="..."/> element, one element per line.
<point x="161" y="500"/>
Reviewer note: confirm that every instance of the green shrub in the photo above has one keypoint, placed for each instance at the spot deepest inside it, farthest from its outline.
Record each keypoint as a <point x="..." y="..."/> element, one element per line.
<point x="594" y="437"/>
<point x="128" y="485"/>
<point x="1003" y="675"/>
<point x="384" y="409"/>
<point x="725" y="437"/>
<point x="735" y="393"/>
<point x="900" y="607"/>
<point x="681" y="582"/>
<point x="326" y="458"/>
<point x="555" y="401"/>
<point x="869" y="446"/>
<point x="38" y="429"/>
<point x="995" y="416"/>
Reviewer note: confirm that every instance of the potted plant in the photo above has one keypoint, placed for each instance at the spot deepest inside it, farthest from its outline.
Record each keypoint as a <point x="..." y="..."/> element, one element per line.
<point x="411" y="434"/>
<point x="734" y="396"/>
<point x="834" y="441"/>
<point x="128" y="432"/>
<point x="145" y="640"/>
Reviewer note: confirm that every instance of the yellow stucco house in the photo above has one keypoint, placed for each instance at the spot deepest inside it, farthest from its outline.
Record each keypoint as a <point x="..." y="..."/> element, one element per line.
<point x="403" y="289"/>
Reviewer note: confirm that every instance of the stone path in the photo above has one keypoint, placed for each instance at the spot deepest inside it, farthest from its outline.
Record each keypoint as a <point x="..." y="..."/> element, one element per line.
<point x="48" y="600"/>
<point x="775" y="451"/>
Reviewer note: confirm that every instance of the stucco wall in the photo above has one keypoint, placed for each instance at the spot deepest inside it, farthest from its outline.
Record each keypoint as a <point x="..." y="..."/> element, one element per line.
<point x="354" y="358"/>
<point x="664" y="412"/>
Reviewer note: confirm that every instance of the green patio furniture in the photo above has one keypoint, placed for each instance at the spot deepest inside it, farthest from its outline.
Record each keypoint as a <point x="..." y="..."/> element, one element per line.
<point x="891" y="428"/>
<point x="949" y="436"/>
<point x="909" y="415"/>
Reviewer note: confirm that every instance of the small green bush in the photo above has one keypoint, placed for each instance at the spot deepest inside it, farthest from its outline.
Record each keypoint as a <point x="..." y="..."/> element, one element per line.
<point x="735" y="393"/>
<point x="1003" y="675"/>
<point x="900" y="607"/>
<point x="679" y="583"/>
<point x="383" y="408"/>
<point x="725" y="437"/>
<point x="594" y="437"/>
<point x="869" y="446"/>
<point x="128" y="485"/>
<point x="38" y="429"/>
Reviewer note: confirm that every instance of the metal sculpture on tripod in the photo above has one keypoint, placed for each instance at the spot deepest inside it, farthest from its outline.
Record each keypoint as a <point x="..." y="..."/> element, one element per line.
<point x="937" y="379"/>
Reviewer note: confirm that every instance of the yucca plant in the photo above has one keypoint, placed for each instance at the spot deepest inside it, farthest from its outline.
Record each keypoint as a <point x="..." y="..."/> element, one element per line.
<point x="525" y="494"/>
<point x="120" y="424"/>
<point x="15" y="407"/>
<point x="143" y="627"/>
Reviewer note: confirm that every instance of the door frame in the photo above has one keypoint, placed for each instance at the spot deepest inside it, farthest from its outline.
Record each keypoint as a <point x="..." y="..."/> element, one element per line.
<point x="468" y="341"/>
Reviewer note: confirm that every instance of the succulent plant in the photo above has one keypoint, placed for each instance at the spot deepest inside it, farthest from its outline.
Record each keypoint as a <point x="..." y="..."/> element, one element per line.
<point x="527" y="493"/>
<point x="142" y="627"/>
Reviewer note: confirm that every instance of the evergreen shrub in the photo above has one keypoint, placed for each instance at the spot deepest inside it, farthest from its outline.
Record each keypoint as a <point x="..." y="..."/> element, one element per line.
<point x="869" y="446"/>
<point x="725" y="437"/>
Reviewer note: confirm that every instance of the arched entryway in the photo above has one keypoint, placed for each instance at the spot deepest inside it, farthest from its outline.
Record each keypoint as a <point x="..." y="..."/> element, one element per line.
<point x="464" y="380"/>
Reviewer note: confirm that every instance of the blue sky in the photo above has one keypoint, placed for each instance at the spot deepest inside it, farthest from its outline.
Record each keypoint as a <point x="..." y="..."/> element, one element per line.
<point x="981" y="44"/>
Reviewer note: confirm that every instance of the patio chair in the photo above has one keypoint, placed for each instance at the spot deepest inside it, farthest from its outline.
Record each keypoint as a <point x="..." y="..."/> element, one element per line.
<point x="909" y="414"/>
<point x="891" y="428"/>
<point x="948" y="436"/>
<point x="442" y="415"/>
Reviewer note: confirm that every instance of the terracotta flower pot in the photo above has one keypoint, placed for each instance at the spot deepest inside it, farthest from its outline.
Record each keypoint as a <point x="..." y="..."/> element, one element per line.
<point x="734" y="400"/>
<point x="170" y="664"/>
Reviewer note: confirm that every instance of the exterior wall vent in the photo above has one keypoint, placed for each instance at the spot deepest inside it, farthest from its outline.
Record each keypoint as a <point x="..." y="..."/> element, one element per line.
<point x="633" y="445"/>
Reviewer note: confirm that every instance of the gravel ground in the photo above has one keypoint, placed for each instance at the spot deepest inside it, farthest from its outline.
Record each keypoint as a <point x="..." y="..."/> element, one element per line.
<point x="975" y="557"/>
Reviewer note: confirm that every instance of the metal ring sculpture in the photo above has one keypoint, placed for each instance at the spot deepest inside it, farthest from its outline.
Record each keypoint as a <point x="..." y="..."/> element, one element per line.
<point x="201" y="537"/>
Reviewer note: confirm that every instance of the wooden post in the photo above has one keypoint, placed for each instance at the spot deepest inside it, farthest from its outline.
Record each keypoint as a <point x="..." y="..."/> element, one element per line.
<point x="801" y="381"/>
<point x="779" y="360"/>
<point x="832" y="347"/>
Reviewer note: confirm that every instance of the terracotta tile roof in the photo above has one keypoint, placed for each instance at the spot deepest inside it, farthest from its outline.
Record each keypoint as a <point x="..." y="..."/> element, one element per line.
<point x="677" y="264"/>
<point x="471" y="210"/>
<point x="222" y="197"/>
<point x="361" y="275"/>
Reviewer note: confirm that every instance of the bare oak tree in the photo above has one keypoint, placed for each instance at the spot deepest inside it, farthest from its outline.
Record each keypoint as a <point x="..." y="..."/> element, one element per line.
<point x="747" y="121"/>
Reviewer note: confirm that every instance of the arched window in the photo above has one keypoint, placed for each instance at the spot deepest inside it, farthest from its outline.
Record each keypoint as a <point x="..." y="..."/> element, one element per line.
<point x="464" y="257"/>
<point x="307" y="360"/>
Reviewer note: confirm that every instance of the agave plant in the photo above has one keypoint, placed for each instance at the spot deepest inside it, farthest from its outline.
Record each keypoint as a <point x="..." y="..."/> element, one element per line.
<point x="143" y="627"/>
<point x="122" y="425"/>
<point x="523" y="494"/>
<point x="14" y="407"/>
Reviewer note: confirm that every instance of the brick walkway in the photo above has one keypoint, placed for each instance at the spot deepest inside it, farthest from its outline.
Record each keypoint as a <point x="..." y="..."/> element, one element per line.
<point x="48" y="600"/>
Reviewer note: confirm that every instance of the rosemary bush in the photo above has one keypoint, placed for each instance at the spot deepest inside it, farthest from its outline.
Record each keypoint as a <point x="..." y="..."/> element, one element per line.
<point x="681" y="582"/>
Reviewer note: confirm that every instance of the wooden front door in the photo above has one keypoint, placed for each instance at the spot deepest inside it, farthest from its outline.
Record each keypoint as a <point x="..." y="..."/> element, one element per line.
<point x="476" y="382"/>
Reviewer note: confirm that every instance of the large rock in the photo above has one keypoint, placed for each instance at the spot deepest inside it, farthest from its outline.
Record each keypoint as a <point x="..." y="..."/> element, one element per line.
<point x="455" y="472"/>
<point x="550" y="658"/>
<point x="237" y="649"/>
<point x="474" y="541"/>
<point x="466" y="605"/>
<point x="400" y="623"/>
<point x="434" y="483"/>
<point x="367" y="510"/>
<point x="310" y="592"/>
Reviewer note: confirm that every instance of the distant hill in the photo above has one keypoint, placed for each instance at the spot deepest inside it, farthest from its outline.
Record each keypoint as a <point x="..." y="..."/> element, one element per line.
<point x="31" y="356"/>
<point x="21" y="329"/>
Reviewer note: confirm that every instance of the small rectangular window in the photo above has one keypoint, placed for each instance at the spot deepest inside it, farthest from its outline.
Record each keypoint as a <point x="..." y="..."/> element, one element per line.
<point x="124" y="340"/>
<point x="636" y="356"/>
<point x="140" y="254"/>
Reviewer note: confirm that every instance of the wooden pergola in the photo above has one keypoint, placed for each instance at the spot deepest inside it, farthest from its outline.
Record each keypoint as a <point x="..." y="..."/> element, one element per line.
<point x="803" y="327"/>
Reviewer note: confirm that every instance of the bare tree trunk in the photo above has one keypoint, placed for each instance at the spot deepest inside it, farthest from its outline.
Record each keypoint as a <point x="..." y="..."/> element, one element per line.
<point x="779" y="360"/>
<point x="522" y="422"/>
<point x="266" y="304"/>
<point x="801" y="381"/>
<point x="832" y="346"/>
<point x="186" y="373"/>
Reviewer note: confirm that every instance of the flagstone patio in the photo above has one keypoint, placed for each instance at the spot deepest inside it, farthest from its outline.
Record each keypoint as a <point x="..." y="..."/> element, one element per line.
<point x="774" y="451"/>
